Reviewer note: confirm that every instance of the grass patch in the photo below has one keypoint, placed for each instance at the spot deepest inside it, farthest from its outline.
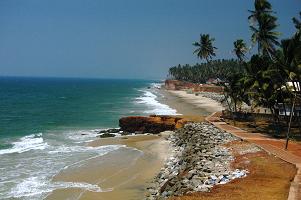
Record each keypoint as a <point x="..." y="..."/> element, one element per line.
<point x="266" y="127"/>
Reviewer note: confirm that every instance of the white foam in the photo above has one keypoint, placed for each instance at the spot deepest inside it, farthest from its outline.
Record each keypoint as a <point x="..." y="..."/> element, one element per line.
<point x="39" y="187"/>
<point x="156" y="85"/>
<point x="100" y="150"/>
<point x="86" y="136"/>
<point x="29" y="176"/>
<point x="157" y="108"/>
<point x="82" y="135"/>
<point x="27" y="143"/>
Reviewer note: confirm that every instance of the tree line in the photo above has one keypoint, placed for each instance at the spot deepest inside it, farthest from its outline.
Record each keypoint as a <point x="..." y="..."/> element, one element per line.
<point x="200" y="73"/>
<point x="270" y="78"/>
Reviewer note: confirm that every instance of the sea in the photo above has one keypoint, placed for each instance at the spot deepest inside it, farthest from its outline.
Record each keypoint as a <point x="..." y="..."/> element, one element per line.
<point x="46" y="123"/>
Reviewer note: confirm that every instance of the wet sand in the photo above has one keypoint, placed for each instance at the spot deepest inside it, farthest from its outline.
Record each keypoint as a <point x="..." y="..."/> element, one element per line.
<point x="189" y="104"/>
<point x="125" y="173"/>
<point x="121" y="174"/>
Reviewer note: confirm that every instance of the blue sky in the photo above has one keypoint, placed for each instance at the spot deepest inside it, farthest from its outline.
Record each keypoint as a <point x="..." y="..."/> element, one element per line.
<point x="120" y="38"/>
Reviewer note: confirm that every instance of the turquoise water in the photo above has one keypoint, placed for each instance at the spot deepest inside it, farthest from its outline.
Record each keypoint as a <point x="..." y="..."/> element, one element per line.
<point x="46" y="124"/>
<point x="33" y="105"/>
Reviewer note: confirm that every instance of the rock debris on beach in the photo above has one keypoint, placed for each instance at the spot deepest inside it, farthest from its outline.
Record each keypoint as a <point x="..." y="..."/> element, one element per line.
<point x="198" y="162"/>
<point x="214" y="96"/>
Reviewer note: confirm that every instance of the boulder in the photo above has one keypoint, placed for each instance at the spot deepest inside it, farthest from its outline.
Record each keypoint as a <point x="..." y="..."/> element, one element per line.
<point x="106" y="135"/>
<point x="152" y="124"/>
<point x="110" y="130"/>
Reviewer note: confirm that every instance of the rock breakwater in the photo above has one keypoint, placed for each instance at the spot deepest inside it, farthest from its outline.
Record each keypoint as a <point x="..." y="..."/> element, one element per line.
<point x="198" y="162"/>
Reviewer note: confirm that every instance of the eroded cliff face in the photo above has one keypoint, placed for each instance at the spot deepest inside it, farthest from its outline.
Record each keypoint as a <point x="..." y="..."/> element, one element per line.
<point x="180" y="85"/>
<point x="152" y="124"/>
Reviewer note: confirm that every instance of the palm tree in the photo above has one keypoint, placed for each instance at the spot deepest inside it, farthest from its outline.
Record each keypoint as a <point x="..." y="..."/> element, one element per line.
<point x="264" y="83"/>
<point x="290" y="57"/>
<point x="297" y="23"/>
<point x="263" y="28"/>
<point x="265" y="36"/>
<point x="236" y="91"/>
<point x="289" y="61"/>
<point x="261" y="7"/>
<point x="240" y="49"/>
<point x="205" y="49"/>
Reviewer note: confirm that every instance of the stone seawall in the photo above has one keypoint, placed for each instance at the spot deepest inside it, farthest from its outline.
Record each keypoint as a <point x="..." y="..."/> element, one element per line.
<point x="198" y="162"/>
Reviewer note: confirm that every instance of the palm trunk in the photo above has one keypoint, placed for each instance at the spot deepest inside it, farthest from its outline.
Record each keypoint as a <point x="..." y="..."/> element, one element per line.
<point x="229" y="106"/>
<point x="235" y="106"/>
<point x="276" y="128"/>
<point x="290" y="121"/>
<point x="285" y="115"/>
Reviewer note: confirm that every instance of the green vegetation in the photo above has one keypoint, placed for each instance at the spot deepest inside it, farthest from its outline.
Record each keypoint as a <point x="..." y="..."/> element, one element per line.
<point x="262" y="25"/>
<point x="271" y="78"/>
<point x="240" y="49"/>
<point x="200" y="73"/>
<point x="205" y="49"/>
<point x="297" y="22"/>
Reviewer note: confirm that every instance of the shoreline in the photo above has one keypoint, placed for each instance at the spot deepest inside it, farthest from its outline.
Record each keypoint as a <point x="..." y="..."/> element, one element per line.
<point x="147" y="166"/>
<point x="124" y="173"/>
<point x="137" y="162"/>
<point x="151" y="166"/>
<point x="189" y="104"/>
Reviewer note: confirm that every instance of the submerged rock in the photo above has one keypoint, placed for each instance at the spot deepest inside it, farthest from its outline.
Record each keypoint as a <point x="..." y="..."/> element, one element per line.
<point x="106" y="135"/>
<point x="111" y="132"/>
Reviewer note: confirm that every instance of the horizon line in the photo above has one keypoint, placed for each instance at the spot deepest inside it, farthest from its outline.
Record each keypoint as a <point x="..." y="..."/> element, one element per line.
<point x="78" y="77"/>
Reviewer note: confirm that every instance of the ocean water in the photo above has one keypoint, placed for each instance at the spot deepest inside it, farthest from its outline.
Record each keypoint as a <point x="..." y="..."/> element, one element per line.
<point x="46" y="123"/>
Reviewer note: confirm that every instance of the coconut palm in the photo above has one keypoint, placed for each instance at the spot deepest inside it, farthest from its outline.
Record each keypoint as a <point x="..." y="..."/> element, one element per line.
<point x="297" y="22"/>
<point x="262" y="80"/>
<point x="264" y="34"/>
<point x="261" y="7"/>
<point x="289" y="60"/>
<point x="200" y="73"/>
<point x="263" y="25"/>
<point x="205" y="49"/>
<point x="235" y="91"/>
<point x="240" y="49"/>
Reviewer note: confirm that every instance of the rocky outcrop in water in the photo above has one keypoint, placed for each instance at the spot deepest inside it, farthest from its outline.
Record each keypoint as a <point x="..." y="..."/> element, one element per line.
<point x="198" y="162"/>
<point x="110" y="132"/>
<point x="152" y="124"/>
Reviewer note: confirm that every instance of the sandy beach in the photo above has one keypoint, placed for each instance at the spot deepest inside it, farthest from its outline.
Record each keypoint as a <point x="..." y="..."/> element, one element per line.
<point x="150" y="100"/>
<point x="126" y="172"/>
<point x="121" y="174"/>
<point x="189" y="104"/>
<point x="142" y="163"/>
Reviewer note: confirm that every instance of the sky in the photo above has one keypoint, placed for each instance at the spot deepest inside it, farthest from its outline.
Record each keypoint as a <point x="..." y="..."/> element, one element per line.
<point x="120" y="38"/>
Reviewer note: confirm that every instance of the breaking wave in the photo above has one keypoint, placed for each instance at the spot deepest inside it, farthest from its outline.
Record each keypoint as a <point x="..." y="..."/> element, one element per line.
<point x="155" y="107"/>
